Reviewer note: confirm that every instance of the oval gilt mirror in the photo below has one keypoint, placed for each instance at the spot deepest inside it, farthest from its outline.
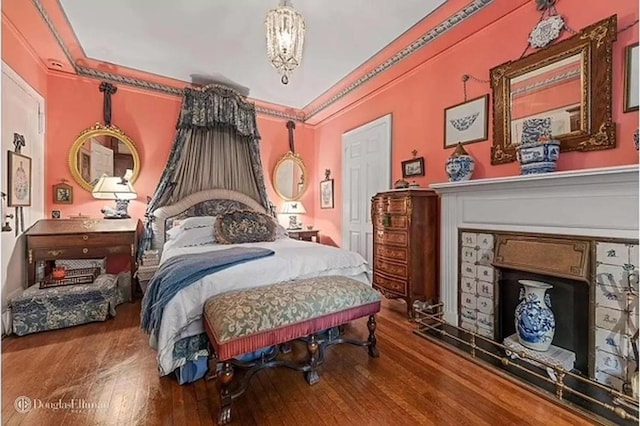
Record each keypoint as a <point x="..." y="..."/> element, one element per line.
<point x="289" y="177"/>
<point x="102" y="150"/>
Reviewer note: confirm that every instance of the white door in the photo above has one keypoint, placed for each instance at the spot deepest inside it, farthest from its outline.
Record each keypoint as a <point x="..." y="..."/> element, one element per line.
<point x="22" y="113"/>
<point x="366" y="170"/>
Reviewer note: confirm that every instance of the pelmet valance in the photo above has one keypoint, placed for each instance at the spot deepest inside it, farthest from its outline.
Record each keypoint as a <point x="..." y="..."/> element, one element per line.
<point x="215" y="105"/>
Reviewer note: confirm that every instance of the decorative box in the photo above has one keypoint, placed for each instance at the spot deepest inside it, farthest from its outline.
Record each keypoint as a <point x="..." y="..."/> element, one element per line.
<point x="83" y="264"/>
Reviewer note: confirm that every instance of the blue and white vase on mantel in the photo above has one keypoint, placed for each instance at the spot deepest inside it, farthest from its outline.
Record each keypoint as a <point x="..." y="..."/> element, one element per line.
<point x="534" y="319"/>
<point x="460" y="165"/>
<point x="537" y="151"/>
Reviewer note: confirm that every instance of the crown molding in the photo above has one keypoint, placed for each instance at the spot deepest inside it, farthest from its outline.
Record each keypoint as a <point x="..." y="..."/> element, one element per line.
<point x="451" y="22"/>
<point x="454" y="20"/>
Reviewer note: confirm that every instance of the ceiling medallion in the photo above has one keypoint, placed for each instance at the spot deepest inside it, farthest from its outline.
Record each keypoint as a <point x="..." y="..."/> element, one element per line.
<point x="285" y="38"/>
<point x="546" y="31"/>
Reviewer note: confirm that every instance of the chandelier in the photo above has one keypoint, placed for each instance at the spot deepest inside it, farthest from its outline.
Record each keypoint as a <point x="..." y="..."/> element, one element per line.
<point x="285" y="38"/>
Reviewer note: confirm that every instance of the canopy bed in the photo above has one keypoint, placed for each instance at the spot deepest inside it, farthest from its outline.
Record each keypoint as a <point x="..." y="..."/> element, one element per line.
<point x="179" y="337"/>
<point x="216" y="231"/>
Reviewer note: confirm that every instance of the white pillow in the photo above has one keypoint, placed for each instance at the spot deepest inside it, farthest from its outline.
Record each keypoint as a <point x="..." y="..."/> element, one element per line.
<point x="198" y="222"/>
<point x="191" y="237"/>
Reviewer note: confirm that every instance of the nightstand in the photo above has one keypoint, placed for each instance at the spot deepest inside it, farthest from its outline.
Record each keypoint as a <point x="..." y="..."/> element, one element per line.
<point x="150" y="262"/>
<point x="304" y="234"/>
<point x="145" y="273"/>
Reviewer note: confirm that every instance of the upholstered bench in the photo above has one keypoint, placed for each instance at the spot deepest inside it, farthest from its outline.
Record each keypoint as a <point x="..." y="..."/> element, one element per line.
<point x="244" y="321"/>
<point x="52" y="308"/>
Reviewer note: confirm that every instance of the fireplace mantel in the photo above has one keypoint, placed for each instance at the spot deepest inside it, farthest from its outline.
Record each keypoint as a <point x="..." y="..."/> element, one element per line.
<point x="594" y="203"/>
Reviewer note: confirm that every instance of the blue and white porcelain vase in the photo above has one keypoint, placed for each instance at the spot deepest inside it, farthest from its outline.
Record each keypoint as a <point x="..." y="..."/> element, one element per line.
<point x="534" y="319"/>
<point x="538" y="157"/>
<point x="460" y="165"/>
<point x="537" y="152"/>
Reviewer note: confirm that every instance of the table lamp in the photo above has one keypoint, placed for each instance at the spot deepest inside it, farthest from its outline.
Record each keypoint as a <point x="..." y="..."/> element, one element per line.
<point x="293" y="209"/>
<point x="115" y="188"/>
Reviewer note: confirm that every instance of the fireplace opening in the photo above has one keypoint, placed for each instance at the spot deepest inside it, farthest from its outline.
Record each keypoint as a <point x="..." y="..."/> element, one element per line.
<point x="570" y="306"/>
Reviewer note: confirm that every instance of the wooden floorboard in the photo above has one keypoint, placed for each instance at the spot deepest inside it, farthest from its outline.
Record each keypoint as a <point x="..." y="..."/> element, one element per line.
<point x="412" y="382"/>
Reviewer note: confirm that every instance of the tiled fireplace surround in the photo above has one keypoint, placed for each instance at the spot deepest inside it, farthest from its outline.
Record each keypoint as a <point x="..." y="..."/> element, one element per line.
<point x="598" y="206"/>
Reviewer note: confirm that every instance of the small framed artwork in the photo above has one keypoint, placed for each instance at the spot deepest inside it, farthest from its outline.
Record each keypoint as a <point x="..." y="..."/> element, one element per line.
<point x="467" y="122"/>
<point x="631" y="73"/>
<point x="18" y="180"/>
<point x="326" y="194"/>
<point x="55" y="214"/>
<point x="413" y="167"/>
<point x="62" y="194"/>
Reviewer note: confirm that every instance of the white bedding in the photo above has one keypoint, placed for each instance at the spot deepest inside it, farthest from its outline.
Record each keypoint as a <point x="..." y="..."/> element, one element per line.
<point x="292" y="259"/>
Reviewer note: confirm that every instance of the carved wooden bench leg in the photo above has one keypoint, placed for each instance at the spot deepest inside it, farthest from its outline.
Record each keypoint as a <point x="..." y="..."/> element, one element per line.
<point x="225" y="377"/>
<point x="312" y="375"/>
<point x="371" y="325"/>
<point x="212" y="362"/>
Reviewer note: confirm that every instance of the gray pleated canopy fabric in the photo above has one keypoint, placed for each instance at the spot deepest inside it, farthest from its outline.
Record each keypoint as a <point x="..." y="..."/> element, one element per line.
<point x="216" y="146"/>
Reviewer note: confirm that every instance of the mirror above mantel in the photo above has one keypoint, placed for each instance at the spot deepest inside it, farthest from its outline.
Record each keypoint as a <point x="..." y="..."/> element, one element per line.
<point x="102" y="150"/>
<point x="569" y="82"/>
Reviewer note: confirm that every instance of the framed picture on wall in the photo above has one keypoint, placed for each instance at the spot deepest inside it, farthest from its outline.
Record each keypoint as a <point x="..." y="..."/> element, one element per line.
<point x="631" y="73"/>
<point x="18" y="180"/>
<point x="326" y="194"/>
<point x="62" y="194"/>
<point x="467" y="122"/>
<point x="413" y="167"/>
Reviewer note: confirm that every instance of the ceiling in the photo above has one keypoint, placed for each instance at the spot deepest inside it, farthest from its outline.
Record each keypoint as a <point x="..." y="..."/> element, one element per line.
<point x="225" y="40"/>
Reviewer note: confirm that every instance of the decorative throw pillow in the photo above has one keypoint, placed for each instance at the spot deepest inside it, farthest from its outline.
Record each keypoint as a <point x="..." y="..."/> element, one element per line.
<point x="244" y="227"/>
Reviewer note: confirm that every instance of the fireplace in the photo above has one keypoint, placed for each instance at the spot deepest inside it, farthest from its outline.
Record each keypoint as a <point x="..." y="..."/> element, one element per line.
<point x="570" y="306"/>
<point x="577" y="230"/>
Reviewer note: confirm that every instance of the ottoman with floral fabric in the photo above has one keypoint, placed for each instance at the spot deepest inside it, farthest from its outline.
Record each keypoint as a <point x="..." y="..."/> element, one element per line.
<point x="65" y="306"/>
<point x="244" y="321"/>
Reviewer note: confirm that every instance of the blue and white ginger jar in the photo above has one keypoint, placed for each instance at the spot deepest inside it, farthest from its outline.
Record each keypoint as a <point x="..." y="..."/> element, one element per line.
<point x="460" y="165"/>
<point x="534" y="319"/>
<point x="537" y="152"/>
<point x="538" y="157"/>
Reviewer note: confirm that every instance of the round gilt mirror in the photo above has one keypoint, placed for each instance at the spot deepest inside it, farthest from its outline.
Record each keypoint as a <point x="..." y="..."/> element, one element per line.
<point x="102" y="150"/>
<point x="289" y="177"/>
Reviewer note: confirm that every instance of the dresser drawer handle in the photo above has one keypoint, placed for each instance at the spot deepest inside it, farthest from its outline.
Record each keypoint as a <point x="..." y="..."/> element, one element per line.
<point x="85" y="237"/>
<point x="85" y="250"/>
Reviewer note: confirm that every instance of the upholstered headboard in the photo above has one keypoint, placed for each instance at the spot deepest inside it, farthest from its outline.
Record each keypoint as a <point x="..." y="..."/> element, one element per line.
<point x="212" y="202"/>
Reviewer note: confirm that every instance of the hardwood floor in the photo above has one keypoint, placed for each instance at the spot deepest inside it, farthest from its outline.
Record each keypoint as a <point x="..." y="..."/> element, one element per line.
<point x="110" y="365"/>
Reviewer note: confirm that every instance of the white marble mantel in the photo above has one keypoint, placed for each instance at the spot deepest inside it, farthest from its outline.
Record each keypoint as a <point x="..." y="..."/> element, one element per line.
<point x="599" y="202"/>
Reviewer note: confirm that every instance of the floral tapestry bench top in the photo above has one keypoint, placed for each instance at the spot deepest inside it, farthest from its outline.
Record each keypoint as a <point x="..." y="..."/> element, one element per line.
<point x="247" y="320"/>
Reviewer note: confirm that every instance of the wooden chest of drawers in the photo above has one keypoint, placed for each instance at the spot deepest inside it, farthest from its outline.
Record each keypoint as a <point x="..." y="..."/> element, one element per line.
<point x="405" y="245"/>
<point x="54" y="239"/>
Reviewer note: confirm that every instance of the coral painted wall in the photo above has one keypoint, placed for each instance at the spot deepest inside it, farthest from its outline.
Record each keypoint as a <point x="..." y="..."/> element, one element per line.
<point x="418" y="98"/>
<point x="148" y="118"/>
<point x="17" y="53"/>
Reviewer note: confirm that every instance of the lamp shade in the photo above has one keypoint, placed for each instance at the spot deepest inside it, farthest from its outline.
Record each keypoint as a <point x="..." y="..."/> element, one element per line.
<point x="113" y="188"/>
<point x="293" y="207"/>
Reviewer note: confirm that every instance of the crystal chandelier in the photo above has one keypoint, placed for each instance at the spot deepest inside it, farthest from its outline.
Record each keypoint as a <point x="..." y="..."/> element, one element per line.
<point x="285" y="38"/>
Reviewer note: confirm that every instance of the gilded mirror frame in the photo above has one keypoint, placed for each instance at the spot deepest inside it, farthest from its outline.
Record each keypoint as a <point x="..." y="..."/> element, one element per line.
<point x="99" y="129"/>
<point x="595" y="45"/>
<point x="305" y="181"/>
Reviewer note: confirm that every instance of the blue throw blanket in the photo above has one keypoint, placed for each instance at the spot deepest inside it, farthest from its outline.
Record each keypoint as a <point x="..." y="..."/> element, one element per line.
<point x="182" y="271"/>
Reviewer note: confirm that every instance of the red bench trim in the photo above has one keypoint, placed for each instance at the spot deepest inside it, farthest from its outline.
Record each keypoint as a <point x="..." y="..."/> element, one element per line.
<point x="242" y="345"/>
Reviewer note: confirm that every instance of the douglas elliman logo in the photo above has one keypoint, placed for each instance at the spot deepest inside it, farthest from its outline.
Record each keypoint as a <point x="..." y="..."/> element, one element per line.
<point x="24" y="404"/>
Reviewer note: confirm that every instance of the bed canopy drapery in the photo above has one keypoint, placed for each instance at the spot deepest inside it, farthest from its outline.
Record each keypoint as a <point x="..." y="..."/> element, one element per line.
<point x="216" y="146"/>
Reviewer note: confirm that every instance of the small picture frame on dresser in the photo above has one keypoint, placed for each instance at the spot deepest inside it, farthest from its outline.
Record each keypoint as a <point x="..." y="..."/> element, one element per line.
<point x="55" y="214"/>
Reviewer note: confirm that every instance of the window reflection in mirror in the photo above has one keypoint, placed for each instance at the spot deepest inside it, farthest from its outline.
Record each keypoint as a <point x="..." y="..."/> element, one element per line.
<point x="553" y="91"/>
<point x="103" y="154"/>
